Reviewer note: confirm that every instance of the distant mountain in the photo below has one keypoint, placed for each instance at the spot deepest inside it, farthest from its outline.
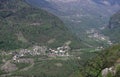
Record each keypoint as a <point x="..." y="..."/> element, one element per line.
<point x="41" y="3"/>
<point x="82" y="15"/>
<point x="76" y="5"/>
<point x="64" y="1"/>
<point x="103" y="2"/>
<point x="22" y="25"/>
<point x="80" y="10"/>
<point x="110" y="2"/>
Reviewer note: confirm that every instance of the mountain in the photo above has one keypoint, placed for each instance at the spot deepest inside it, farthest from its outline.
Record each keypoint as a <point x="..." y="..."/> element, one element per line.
<point x="66" y="6"/>
<point x="110" y="2"/>
<point x="22" y="25"/>
<point x="25" y="31"/>
<point x="82" y="16"/>
<point x="42" y="3"/>
<point x="113" y="29"/>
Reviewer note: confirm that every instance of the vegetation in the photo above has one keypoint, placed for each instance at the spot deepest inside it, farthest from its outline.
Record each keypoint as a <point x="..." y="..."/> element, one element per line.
<point x="22" y="26"/>
<point x="118" y="71"/>
<point x="113" y="30"/>
<point x="72" y="67"/>
<point x="49" y="68"/>
<point x="105" y="59"/>
<point x="21" y="65"/>
<point x="2" y="72"/>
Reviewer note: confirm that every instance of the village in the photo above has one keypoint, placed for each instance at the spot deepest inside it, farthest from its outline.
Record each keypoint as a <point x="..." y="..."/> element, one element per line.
<point x="28" y="56"/>
<point x="38" y="51"/>
<point x="95" y="34"/>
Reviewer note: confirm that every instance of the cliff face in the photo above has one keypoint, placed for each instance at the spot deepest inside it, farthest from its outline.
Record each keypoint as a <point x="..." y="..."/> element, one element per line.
<point x="113" y="29"/>
<point x="115" y="21"/>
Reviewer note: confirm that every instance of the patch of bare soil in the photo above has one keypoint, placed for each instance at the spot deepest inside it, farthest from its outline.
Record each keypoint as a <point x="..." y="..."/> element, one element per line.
<point x="9" y="67"/>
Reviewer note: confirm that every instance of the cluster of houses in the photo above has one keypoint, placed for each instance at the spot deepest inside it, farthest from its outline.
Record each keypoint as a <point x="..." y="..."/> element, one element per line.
<point x="60" y="51"/>
<point x="41" y="50"/>
<point x="34" y="51"/>
<point x="93" y="33"/>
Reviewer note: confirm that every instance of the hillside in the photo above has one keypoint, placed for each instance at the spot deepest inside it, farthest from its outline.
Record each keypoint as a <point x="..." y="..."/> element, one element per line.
<point x="81" y="16"/>
<point x="105" y="64"/>
<point x="113" y="29"/>
<point x="22" y="26"/>
<point x="108" y="2"/>
<point x="36" y="40"/>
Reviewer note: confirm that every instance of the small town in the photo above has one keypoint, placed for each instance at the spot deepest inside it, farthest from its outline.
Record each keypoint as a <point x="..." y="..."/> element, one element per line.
<point x="28" y="56"/>
<point x="39" y="50"/>
<point x="93" y="33"/>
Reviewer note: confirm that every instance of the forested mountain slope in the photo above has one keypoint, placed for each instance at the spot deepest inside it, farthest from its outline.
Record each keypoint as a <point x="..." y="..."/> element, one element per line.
<point x="113" y="29"/>
<point x="22" y="25"/>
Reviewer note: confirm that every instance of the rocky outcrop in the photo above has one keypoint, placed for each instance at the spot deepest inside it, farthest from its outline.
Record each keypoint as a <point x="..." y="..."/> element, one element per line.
<point x="107" y="71"/>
